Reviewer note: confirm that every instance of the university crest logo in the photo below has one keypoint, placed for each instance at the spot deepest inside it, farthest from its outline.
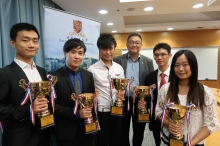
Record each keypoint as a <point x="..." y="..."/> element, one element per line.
<point x="77" y="26"/>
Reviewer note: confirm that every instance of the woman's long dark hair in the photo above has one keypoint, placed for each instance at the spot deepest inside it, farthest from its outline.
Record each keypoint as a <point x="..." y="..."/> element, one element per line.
<point x="195" y="94"/>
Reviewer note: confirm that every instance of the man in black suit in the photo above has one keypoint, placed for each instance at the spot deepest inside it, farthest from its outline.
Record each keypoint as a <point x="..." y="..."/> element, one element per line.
<point x="70" y="128"/>
<point x="18" y="129"/>
<point x="161" y="56"/>
<point x="138" y="66"/>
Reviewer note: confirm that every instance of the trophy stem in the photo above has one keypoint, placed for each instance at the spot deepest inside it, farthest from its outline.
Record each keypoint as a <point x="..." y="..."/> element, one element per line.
<point x="44" y="113"/>
<point x="180" y="135"/>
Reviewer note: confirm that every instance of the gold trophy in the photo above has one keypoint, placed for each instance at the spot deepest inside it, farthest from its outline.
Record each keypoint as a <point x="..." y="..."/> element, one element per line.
<point x="176" y="113"/>
<point x="143" y="92"/>
<point x="86" y="100"/>
<point x="40" y="90"/>
<point x="119" y="84"/>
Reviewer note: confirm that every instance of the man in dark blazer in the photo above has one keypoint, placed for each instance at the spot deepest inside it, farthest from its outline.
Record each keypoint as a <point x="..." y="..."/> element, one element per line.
<point x="18" y="129"/>
<point x="161" y="56"/>
<point x="70" y="129"/>
<point x="138" y="66"/>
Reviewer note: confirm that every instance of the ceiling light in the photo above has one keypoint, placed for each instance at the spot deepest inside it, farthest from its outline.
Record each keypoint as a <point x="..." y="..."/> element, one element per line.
<point x="148" y="8"/>
<point x="197" y="6"/>
<point x="103" y="12"/>
<point x="110" y="23"/>
<point x="114" y="31"/>
<point x="139" y="30"/>
<point x="170" y="28"/>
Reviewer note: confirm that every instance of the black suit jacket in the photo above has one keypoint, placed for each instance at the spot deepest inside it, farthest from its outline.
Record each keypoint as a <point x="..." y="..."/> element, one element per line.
<point x="152" y="79"/>
<point x="66" y="122"/>
<point x="18" y="129"/>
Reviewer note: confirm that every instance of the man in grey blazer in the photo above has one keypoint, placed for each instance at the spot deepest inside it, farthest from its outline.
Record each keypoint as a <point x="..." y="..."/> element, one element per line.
<point x="138" y="66"/>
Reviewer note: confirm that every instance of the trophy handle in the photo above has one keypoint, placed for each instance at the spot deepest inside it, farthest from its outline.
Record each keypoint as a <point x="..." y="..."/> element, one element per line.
<point x="23" y="84"/>
<point x="153" y="86"/>
<point x="97" y="93"/>
<point x="73" y="96"/>
<point x="55" y="79"/>
<point x="132" y="79"/>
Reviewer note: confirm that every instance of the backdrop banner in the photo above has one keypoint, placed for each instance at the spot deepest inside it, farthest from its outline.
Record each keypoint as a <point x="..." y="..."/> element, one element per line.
<point x="61" y="26"/>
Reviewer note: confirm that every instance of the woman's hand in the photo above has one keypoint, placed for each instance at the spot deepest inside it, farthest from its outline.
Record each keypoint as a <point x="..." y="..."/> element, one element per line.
<point x="174" y="128"/>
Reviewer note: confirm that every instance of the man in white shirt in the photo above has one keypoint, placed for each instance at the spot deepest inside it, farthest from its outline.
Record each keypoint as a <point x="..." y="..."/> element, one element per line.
<point x="162" y="54"/>
<point x="18" y="129"/>
<point x="110" y="125"/>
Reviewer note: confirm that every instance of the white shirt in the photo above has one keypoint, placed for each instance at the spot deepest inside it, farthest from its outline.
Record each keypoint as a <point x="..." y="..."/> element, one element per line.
<point x="166" y="72"/>
<point x="30" y="70"/>
<point x="100" y="73"/>
<point x="198" y="118"/>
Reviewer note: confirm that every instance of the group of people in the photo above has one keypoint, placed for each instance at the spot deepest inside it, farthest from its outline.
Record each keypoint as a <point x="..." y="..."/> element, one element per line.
<point x="177" y="83"/>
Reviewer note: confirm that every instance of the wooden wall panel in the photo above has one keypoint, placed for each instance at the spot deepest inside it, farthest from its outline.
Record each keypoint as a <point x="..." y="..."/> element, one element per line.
<point x="191" y="38"/>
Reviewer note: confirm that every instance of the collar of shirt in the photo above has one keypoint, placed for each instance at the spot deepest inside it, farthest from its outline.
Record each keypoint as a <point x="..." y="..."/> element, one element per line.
<point x="23" y="64"/>
<point x="71" y="71"/>
<point x="78" y="74"/>
<point x="129" y="57"/>
<point x="103" y="64"/>
<point x="166" y="72"/>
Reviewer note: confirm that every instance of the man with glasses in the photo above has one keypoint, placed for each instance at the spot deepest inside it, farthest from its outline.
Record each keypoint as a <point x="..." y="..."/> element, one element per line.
<point x="138" y="66"/>
<point x="158" y="77"/>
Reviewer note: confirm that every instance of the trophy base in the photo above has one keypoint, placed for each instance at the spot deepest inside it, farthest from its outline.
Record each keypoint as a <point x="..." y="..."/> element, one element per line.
<point x="46" y="121"/>
<point x="143" y="118"/>
<point x="177" y="142"/>
<point x="90" y="128"/>
<point x="117" y="111"/>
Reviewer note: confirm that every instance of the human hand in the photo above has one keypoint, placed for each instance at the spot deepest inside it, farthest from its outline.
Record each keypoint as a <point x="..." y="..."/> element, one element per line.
<point x="120" y="95"/>
<point x="40" y="104"/>
<point x="85" y="113"/>
<point x="141" y="104"/>
<point x="174" y="129"/>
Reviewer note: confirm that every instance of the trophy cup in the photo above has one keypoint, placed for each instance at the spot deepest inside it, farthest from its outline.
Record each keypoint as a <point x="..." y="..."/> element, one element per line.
<point x="87" y="100"/>
<point x="119" y="84"/>
<point x="36" y="90"/>
<point x="143" y="92"/>
<point x="176" y="113"/>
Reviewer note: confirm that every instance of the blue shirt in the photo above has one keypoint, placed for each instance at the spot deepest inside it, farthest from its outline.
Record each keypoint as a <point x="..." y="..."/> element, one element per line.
<point x="78" y="74"/>
<point x="133" y="70"/>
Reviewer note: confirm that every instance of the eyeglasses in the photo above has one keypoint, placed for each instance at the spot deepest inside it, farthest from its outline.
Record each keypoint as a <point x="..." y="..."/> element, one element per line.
<point x="136" y="43"/>
<point x="158" y="55"/>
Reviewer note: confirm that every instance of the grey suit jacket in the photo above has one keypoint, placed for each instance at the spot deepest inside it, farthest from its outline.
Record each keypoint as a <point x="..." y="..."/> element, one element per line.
<point x="146" y="65"/>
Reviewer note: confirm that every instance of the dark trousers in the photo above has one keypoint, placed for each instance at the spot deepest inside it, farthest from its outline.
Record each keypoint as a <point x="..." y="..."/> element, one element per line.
<point x="138" y="129"/>
<point x="109" y="135"/>
<point x="80" y="139"/>
<point x="156" y="131"/>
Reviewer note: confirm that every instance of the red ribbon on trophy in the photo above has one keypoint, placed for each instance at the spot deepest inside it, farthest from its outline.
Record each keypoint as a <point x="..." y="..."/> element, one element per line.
<point x="28" y="95"/>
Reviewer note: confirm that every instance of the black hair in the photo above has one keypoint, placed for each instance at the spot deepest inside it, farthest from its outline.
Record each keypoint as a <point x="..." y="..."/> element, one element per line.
<point x="134" y="34"/>
<point x="73" y="43"/>
<point x="194" y="94"/>
<point x="105" y="41"/>
<point x="22" y="26"/>
<point x="164" y="46"/>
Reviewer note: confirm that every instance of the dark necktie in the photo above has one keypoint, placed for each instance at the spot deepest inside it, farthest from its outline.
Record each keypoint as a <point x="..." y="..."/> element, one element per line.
<point x="77" y="84"/>
<point x="163" y="81"/>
